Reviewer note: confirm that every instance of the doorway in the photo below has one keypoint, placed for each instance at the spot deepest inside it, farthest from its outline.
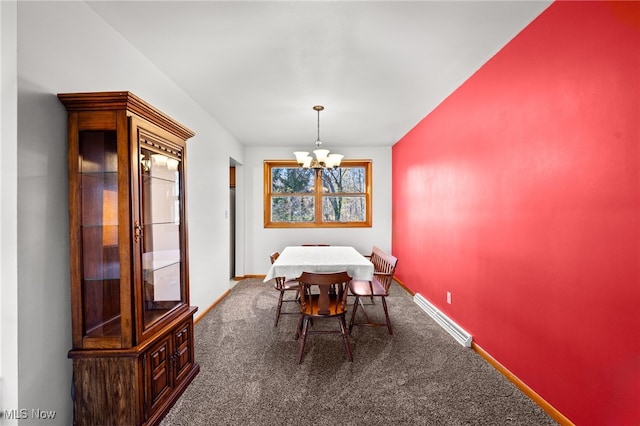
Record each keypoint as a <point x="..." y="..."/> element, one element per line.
<point x="232" y="222"/>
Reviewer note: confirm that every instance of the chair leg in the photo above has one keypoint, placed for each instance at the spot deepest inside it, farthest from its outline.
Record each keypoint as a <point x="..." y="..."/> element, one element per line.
<point x="299" y="328"/>
<point x="365" y="313"/>
<point x="345" y="339"/>
<point x="386" y="314"/>
<point x="367" y="320"/>
<point x="353" y="313"/>
<point x="278" y="308"/>
<point x="303" y="340"/>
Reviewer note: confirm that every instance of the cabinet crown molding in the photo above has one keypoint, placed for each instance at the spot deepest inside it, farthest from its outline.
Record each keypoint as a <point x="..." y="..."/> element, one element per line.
<point x="101" y="101"/>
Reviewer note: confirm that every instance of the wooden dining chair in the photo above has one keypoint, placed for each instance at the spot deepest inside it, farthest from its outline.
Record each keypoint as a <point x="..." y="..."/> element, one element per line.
<point x="283" y="285"/>
<point x="384" y="267"/>
<point x="323" y="296"/>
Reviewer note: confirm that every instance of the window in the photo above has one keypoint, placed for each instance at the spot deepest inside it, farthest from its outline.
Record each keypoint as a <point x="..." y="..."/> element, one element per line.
<point x="303" y="198"/>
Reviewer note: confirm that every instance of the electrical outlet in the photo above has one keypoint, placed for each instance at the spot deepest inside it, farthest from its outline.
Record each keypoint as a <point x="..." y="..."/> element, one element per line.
<point x="449" y="297"/>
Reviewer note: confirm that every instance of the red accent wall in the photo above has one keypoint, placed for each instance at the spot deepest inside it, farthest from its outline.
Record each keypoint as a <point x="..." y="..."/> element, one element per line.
<point x="520" y="194"/>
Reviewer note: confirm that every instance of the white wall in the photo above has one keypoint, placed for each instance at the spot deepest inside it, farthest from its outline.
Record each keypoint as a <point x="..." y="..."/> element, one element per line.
<point x="65" y="47"/>
<point x="261" y="241"/>
<point x="8" y="211"/>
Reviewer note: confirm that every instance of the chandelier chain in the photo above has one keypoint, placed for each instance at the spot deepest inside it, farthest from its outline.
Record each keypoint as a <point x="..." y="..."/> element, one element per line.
<point x="318" y="108"/>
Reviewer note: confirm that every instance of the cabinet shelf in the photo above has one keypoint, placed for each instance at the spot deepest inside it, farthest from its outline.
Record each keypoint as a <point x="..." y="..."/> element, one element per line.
<point x="104" y="175"/>
<point x="162" y="223"/>
<point x="110" y="328"/>
<point x="98" y="280"/>
<point x="147" y="176"/>
<point x="164" y="265"/>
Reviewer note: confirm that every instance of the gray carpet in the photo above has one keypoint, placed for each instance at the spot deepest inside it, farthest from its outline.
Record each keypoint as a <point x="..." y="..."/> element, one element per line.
<point x="417" y="376"/>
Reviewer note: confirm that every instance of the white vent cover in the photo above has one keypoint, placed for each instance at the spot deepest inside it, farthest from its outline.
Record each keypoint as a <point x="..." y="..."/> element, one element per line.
<point x="445" y="322"/>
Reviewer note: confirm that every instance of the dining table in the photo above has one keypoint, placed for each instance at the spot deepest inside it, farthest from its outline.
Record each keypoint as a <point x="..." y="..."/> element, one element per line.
<point x="294" y="260"/>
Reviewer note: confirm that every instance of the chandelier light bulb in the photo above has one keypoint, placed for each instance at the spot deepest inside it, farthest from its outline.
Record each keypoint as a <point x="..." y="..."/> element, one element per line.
<point x="301" y="156"/>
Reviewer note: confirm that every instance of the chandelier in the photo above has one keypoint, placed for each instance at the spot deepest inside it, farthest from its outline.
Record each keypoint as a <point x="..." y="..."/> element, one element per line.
<point x="323" y="159"/>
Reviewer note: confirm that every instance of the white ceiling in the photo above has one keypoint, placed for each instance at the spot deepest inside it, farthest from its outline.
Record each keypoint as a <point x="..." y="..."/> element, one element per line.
<point x="378" y="67"/>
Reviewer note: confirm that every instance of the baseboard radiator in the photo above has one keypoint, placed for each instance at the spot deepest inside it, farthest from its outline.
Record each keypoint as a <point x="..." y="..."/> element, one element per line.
<point x="445" y="322"/>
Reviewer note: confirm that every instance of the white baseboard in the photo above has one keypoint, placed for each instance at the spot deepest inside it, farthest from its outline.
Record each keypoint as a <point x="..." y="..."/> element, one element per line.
<point x="444" y="321"/>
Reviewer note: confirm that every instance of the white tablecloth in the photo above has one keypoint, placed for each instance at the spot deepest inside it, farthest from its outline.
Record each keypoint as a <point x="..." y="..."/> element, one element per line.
<point x="295" y="260"/>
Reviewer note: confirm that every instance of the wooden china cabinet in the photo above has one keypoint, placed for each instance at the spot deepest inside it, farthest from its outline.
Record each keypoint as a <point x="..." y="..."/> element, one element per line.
<point x="132" y="326"/>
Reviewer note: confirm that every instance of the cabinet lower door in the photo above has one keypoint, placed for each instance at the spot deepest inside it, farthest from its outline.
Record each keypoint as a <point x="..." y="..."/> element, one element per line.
<point x="183" y="344"/>
<point x="158" y="377"/>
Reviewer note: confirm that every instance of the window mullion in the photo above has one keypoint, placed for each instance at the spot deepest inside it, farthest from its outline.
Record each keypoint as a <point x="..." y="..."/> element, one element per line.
<point x="318" y="197"/>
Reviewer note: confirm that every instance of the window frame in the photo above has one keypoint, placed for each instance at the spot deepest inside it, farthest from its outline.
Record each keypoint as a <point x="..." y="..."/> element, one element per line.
<point x="318" y="196"/>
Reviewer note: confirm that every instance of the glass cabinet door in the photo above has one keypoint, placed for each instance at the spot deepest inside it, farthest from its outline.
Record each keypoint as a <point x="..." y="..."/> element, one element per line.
<point x="162" y="263"/>
<point x="100" y="264"/>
